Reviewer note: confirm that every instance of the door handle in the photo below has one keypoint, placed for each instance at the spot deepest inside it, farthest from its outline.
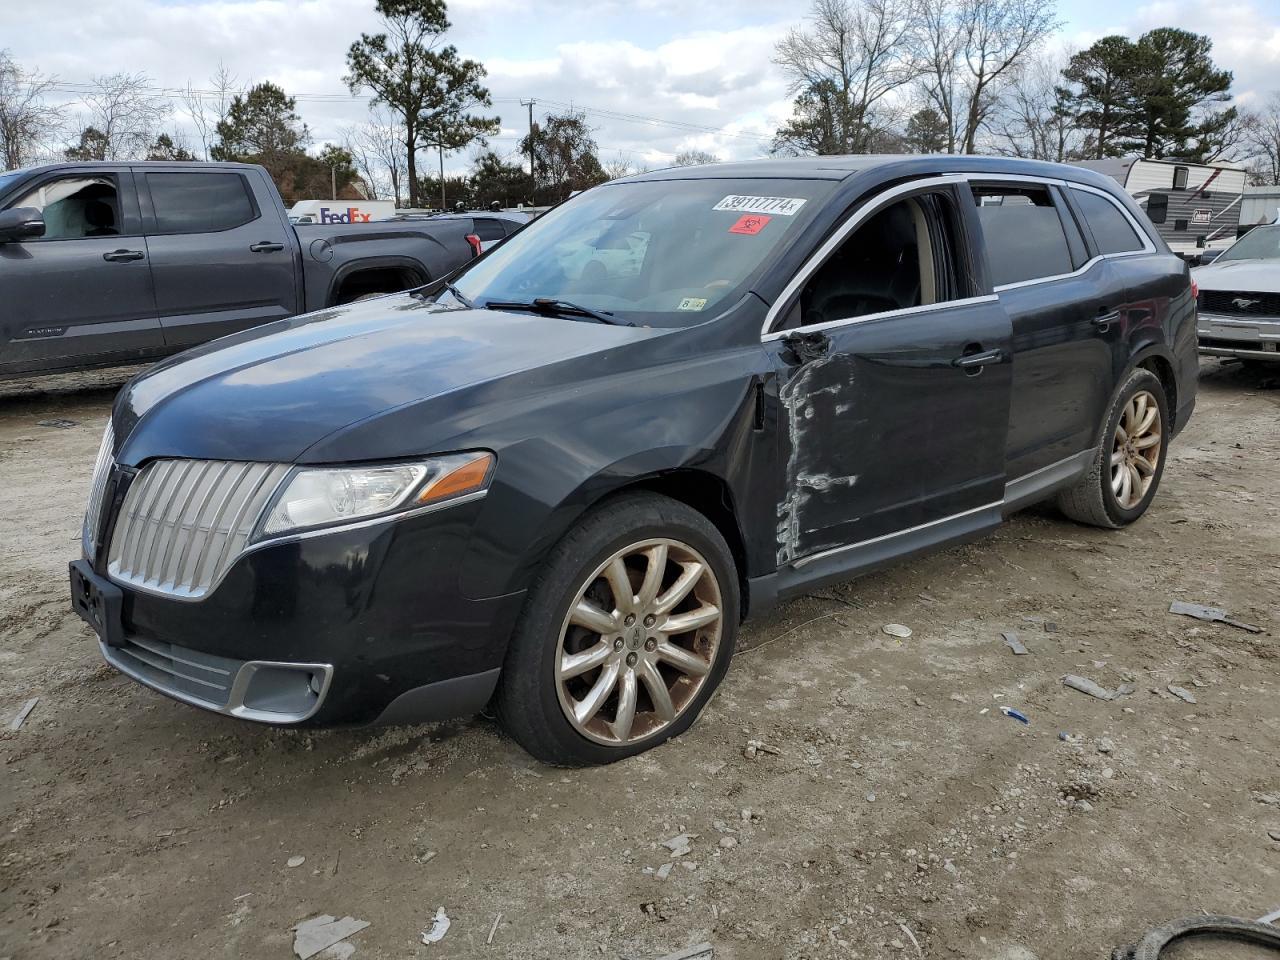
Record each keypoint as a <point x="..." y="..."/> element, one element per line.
<point x="123" y="256"/>
<point x="266" y="246"/>
<point x="976" y="361"/>
<point x="1105" y="319"/>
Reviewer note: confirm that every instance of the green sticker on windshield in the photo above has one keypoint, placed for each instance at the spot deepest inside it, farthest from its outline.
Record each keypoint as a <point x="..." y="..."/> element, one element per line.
<point x="692" y="303"/>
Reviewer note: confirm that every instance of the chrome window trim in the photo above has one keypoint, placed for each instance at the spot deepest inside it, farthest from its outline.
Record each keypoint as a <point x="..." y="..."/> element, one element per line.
<point x="820" y="256"/>
<point x="883" y="315"/>
<point x="850" y="224"/>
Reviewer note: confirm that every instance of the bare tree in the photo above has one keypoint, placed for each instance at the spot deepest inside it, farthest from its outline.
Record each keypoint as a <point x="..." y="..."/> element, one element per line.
<point x="850" y="56"/>
<point x="125" y="110"/>
<point x="1035" y="119"/>
<point x="26" y="120"/>
<point x="208" y="108"/>
<point x="971" y="51"/>
<point x="378" y="151"/>
<point x="1264" y="142"/>
<point x="694" y="158"/>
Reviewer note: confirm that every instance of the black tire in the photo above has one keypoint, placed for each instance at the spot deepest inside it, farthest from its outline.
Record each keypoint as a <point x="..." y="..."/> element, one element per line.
<point x="527" y="702"/>
<point x="1092" y="500"/>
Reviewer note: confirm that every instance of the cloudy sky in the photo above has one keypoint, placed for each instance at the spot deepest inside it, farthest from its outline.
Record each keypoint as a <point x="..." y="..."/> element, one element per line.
<point x="654" y="76"/>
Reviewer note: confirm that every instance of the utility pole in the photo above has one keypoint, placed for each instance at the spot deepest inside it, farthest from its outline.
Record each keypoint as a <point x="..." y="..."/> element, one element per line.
<point x="443" y="205"/>
<point x="333" y="182"/>
<point x="529" y="103"/>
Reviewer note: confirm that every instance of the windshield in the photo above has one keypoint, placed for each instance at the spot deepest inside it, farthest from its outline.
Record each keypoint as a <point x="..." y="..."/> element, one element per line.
<point x="1260" y="243"/>
<point x="7" y="179"/>
<point x="660" y="253"/>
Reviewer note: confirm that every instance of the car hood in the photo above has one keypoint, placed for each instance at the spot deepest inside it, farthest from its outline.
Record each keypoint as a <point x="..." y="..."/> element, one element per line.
<point x="1254" y="275"/>
<point x="271" y="393"/>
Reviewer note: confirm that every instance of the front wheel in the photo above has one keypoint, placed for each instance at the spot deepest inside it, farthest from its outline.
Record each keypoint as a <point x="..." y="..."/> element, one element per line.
<point x="1125" y="474"/>
<point x="625" y="636"/>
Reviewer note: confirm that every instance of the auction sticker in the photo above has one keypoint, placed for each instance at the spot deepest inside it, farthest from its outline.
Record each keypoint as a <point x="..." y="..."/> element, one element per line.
<point x="692" y="303"/>
<point x="750" y="224"/>
<point x="782" y="206"/>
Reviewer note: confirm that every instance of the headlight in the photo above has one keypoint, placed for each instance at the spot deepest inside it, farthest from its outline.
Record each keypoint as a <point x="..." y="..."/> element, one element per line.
<point x="325" y="496"/>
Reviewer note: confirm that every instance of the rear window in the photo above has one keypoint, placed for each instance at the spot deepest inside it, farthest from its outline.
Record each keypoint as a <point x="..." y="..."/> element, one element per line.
<point x="1022" y="232"/>
<point x="487" y="229"/>
<point x="1110" y="228"/>
<point x="199" y="202"/>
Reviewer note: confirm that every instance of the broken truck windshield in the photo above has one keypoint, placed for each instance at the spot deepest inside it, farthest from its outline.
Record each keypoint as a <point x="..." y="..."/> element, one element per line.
<point x="661" y="252"/>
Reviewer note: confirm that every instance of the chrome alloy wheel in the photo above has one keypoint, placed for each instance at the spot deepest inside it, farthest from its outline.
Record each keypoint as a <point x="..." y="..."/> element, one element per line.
<point x="638" y="641"/>
<point x="1136" y="449"/>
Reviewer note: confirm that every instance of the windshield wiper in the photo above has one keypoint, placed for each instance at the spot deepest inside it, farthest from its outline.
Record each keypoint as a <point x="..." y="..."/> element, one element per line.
<point x="462" y="297"/>
<point x="553" y="306"/>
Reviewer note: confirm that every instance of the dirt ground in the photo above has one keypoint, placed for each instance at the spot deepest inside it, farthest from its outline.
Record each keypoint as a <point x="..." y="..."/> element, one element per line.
<point x="901" y="806"/>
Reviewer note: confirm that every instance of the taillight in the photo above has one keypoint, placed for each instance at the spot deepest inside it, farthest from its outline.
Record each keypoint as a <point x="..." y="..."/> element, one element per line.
<point x="476" y="249"/>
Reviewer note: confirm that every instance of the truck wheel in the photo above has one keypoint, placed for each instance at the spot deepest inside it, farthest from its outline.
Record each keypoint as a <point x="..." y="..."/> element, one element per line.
<point x="1122" y="480"/>
<point x="625" y="636"/>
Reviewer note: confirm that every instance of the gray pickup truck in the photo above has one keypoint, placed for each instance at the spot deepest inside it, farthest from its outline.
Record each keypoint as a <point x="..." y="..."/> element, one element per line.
<point x="114" y="263"/>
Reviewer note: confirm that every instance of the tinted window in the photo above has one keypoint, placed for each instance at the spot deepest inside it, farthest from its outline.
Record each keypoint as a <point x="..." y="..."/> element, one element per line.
<point x="487" y="229"/>
<point x="900" y="257"/>
<point x="76" y="207"/>
<point x="1158" y="207"/>
<point x="199" y="202"/>
<point x="1109" y="227"/>
<point x="1023" y="233"/>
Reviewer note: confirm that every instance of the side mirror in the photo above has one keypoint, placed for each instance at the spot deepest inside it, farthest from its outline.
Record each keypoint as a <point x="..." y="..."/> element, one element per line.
<point x="21" y="223"/>
<point x="1211" y="255"/>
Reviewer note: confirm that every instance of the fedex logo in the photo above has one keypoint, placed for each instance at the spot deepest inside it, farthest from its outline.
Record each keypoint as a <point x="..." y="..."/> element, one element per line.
<point x="350" y="215"/>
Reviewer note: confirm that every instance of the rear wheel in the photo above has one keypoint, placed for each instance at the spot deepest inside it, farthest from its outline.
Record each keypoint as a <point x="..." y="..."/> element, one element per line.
<point x="624" y="637"/>
<point x="1123" y="479"/>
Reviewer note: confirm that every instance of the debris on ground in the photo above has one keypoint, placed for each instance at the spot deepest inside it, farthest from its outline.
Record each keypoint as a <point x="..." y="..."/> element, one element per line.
<point x="58" y="422"/>
<point x="295" y="861"/>
<point x="1210" y="614"/>
<point x="1015" y="715"/>
<point x="912" y="937"/>
<point x="21" y="717"/>
<point x="1126" y="690"/>
<point x="756" y="747"/>
<point x="1273" y="834"/>
<point x="681" y="844"/>
<point x="701" y="951"/>
<point x="1085" y="685"/>
<point x="1106" y="745"/>
<point x="1013" y="643"/>
<point x="664" y="871"/>
<point x="312" y="936"/>
<point x="494" y="929"/>
<point x="1181" y="693"/>
<point x="1270" y="799"/>
<point x="439" y="927"/>
<point x="901" y="631"/>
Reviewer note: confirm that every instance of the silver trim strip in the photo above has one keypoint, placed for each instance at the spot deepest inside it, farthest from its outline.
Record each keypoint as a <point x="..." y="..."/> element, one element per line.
<point x="796" y="564"/>
<point x="849" y="321"/>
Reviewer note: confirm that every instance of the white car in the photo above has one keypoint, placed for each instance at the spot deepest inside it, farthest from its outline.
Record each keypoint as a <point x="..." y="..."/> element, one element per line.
<point x="1240" y="298"/>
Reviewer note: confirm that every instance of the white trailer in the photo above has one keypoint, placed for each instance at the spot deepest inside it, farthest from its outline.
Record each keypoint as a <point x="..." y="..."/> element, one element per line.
<point x="1192" y="205"/>
<point x="341" y="211"/>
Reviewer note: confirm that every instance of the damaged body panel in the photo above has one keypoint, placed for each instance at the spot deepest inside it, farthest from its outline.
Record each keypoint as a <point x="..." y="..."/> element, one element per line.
<point x="826" y="361"/>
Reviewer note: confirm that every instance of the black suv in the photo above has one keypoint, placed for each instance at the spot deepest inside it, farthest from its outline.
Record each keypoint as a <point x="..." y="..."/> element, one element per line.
<point x="558" y="480"/>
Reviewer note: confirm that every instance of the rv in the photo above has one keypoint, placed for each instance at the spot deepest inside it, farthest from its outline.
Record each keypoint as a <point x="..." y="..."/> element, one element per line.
<point x="1191" y="204"/>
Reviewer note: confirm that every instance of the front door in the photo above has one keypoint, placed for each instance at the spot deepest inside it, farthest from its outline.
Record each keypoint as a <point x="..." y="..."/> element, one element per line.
<point x="220" y="262"/>
<point x="80" y="294"/>
<point x="894" y="383"/>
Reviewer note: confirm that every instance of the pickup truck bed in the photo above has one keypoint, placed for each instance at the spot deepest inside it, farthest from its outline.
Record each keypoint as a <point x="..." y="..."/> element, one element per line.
<point x="139" y="260"/>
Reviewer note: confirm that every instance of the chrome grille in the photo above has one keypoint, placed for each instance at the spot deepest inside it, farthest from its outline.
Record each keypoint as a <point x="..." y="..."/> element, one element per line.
<point x="184" y="522"/>
<point x="97" y="486"/>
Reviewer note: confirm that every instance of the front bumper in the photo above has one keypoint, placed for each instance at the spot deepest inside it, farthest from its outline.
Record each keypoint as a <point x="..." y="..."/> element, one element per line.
<point x="356" y="626"/>
<point x="1239" y="336"/>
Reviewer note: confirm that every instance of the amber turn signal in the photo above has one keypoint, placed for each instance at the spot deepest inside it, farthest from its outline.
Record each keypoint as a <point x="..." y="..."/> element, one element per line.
<point x="467" y="477"/>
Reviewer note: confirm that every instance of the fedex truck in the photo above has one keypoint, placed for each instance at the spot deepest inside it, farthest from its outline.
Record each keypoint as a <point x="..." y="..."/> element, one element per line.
<point x="341" y="211"/>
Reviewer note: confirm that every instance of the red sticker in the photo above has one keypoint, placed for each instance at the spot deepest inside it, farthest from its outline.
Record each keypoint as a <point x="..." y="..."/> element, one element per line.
<point x="750" y="224"/>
